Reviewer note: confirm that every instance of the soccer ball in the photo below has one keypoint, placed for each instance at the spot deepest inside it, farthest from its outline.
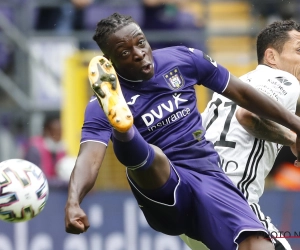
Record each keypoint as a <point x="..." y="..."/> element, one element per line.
<point x="23" y="190"/>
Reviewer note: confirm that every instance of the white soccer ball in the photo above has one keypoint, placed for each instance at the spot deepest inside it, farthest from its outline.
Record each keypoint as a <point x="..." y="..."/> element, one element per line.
<point x="23" y="190"/>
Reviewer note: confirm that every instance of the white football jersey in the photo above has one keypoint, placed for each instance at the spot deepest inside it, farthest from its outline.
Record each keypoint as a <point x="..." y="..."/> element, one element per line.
<point x="244" y="158"/>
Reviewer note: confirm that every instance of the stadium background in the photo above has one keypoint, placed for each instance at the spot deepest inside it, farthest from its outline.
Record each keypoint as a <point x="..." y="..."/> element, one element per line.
<point x="44" y="70"/>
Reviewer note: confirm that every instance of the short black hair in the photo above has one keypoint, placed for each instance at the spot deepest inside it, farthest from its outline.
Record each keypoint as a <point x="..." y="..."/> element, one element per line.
<point x="108" y="26"/>
<point x="275" y="36"/>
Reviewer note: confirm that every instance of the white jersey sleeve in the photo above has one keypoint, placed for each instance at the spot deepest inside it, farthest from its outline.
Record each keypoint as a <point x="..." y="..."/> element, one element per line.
<point x="244" y="158"/>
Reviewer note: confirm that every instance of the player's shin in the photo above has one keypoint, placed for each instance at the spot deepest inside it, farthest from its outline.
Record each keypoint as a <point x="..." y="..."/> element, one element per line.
<point x="132" y="150"/>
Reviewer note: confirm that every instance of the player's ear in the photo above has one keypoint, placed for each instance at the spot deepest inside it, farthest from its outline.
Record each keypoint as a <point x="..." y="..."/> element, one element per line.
<point x="271" y="56"/>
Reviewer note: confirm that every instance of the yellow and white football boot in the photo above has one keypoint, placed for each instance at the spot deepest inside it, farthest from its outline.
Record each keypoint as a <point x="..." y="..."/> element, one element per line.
<point x="105" y="84"/>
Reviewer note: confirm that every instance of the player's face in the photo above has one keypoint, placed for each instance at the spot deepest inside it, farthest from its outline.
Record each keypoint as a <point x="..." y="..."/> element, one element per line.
<point x="130" y="53"/>
<point x="289" y="58"/>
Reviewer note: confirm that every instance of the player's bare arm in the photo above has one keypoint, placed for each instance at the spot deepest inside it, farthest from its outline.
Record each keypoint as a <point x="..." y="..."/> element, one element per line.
<point x="82" y="180"/>
<point x="265" y="129"/>
<point x="251" y="99"/>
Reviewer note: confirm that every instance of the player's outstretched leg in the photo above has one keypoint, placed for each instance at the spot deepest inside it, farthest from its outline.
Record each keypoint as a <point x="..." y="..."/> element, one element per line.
<point x="105" y="84"/>
<point x="147" y="164"/>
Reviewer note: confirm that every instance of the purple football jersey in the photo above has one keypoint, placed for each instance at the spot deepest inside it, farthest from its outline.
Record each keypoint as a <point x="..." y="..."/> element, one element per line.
<point x="165" y="107"/>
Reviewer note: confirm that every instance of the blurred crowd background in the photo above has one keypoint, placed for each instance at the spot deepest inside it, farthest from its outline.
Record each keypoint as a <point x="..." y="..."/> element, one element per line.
<point x="46" y="45"/>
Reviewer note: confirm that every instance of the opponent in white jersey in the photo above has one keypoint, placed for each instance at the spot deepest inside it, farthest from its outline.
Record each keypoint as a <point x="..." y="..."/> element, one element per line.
<point x="246" y="159"/>
<point x="246" y="153"/>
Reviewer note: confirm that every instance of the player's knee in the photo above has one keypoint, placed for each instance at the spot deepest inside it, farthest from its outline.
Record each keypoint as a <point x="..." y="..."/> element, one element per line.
<point x="256" y="241"/>
<point x="156" y="174"/>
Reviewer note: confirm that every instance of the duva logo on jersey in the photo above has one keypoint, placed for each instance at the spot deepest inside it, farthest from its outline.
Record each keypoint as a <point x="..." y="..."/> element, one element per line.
<point x="174" y="79"/>
<point x="166" y="113"/>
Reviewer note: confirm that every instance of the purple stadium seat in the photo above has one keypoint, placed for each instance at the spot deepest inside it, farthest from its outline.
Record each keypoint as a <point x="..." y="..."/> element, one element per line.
<point x="4" y="51"/>
<point x="7" y="12"/>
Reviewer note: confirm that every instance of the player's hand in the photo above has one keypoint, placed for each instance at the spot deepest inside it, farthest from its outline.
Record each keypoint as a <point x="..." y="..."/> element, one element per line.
<point x="76" y="221"/>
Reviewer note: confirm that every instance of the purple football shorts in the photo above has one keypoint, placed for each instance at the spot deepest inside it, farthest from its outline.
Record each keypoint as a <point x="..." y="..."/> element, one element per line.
<point x="206" y="206"/>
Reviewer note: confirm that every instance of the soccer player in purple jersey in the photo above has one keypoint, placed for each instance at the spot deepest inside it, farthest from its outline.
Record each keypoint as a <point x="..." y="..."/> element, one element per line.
<point x="173" y="171"/>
